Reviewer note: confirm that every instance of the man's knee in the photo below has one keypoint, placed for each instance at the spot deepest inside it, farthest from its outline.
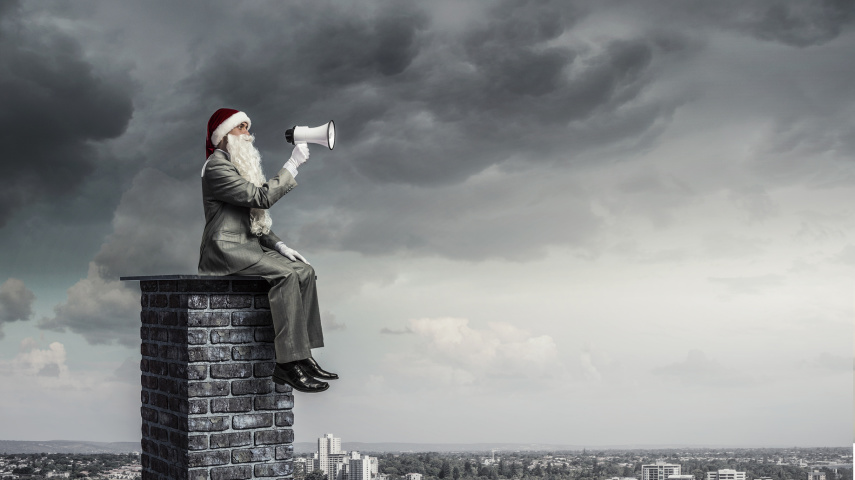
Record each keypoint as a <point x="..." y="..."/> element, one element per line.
<point x="307" y="272"/>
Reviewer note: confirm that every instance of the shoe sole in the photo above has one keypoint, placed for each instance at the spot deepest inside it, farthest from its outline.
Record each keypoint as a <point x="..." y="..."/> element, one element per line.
<point x="282" y="381"/>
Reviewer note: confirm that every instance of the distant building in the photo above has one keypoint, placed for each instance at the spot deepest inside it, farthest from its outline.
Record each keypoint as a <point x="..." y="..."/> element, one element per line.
<point x="300" y="467"/>
<point x="358" y="467"/>
<point x="328" y="456"/>
<point x="659" y="471"/>
<point x="726" y="474"/>
<point x="681" y="477"/>
<point x="414" y="476"/>
<point x="339" y="465"/>
<point x="816" y="475"/>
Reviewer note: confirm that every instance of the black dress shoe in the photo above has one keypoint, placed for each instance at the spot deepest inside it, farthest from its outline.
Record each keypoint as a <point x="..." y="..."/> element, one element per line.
<point x="292" y="374"/>
<point x="311" y="367"/>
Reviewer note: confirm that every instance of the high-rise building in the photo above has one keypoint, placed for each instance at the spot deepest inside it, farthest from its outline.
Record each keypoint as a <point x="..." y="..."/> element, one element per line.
<point x="329" y="455"/>
<point x="659" y="471"/>
<point x="726" y="474"/>
<point x="339" y="465"/>
<point x="358" y="467"/>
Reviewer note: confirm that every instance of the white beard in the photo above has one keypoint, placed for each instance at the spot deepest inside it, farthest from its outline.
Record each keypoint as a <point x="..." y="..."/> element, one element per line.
<point x="247" y="160"/>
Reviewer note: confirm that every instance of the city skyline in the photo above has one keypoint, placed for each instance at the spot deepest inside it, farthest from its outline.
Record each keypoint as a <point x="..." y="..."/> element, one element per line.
<point x="544" y="222"/>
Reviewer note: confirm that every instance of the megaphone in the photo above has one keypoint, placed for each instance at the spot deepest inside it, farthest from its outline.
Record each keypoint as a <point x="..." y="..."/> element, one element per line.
<point x="322" y="135"/>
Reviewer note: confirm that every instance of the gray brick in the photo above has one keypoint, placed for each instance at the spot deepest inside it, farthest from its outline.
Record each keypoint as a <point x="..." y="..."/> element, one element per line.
<point x="264" y="334"/>
<point x="231" y="370"/>
<point x="148" y="349"/>
<point x="159" y="334"/>
<point x="251" y="319"/>
<point x="253" y="352"/>
<point x="231" y="301"/>
<point x="198" y="474"/>
<point x="179" y="440"/>
<point x="197" y="372"/>
<point x="254" y="386"/>
<point x="209" y="354"/>
<point x="232" y="335"/>
<point x="148" y="317"/>
<point x="196" y="407"/>
<point x="274" y="437"/>
<point x="148" y="414"/>
<point x="234" y="439"/>
<point x="237" y="472"/>
<point x="148" y="285"/>
<point x="208" y="389"/>
<point x="262" y="302"/>
<point x="200" y="442"/>
<point x="272" y="469"/>
<point x="148" y="381"/>
<point x="250" y="286"/>
<point x="144" y="332"/>
<point x="285" y="452"/>
<point x="193" y="336"/>
<point x="172" y="352"/>
<point x="158" y="368"/>
<point x="167" y="420"/>
<point x="180" y="405"/>
<point x="208" y="319"/>
<point x="167" y="286"/>
<point x="246" y="455"/>
<point x="274" y="402"/>
<point x="205" y="459"/>
<point x="253" y="420"/>
<point x="263" y="369"/>
<point x="178" y="370"/>
<point x="208" y="424"/>
<point x="158" y="300"/>
<point x="231" y="405"/>
<point x="284" y="419"/>
<point x="204" y="286"/>
<point x="168" y="318"/>
<point x="193" y="301"/>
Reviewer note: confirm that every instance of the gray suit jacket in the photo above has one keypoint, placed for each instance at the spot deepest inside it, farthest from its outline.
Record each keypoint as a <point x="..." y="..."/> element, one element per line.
<point x="228" y="246"/>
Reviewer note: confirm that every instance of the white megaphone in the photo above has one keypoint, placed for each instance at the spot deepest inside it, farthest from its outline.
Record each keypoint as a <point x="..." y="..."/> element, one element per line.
<point x="323" y="135"/>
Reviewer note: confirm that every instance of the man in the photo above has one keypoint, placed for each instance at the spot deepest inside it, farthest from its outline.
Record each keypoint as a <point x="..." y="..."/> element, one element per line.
<point x="237" y="240"/>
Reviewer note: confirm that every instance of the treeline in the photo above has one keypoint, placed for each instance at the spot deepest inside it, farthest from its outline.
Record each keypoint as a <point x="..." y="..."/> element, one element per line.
<point x="36" y="466"/>
<point x="573" y="466"/>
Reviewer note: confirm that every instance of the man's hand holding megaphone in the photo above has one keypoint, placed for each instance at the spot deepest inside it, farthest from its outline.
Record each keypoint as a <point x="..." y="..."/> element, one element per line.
<point x="298" y="157"/>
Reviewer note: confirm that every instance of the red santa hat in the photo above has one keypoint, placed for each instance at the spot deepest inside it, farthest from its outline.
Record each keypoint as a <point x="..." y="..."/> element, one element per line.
<point x="220" y="124"/>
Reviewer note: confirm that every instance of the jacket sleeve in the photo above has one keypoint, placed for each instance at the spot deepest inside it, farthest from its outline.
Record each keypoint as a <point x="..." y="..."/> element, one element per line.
<point x="226" y="185"/>
<point x="269" y="240"/>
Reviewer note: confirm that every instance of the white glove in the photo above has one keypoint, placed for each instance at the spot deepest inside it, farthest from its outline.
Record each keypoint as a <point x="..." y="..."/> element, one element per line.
<point x="298" y="157"/>
<point x="290" y="253"/>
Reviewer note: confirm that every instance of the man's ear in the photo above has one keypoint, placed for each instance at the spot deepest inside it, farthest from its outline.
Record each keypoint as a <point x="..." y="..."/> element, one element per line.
<point x="223" y="143"/>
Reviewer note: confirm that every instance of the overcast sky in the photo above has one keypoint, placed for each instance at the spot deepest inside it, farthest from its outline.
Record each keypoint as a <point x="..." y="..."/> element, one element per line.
<point x="589" y="223"/>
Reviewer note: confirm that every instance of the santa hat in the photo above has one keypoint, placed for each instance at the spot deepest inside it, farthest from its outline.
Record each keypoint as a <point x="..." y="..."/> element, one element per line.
<point x="220" y="124"/>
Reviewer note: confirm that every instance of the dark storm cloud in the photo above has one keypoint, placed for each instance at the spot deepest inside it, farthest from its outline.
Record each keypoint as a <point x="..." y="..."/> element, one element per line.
<point x="799" y="24"/>
<point x="16" y="302"/>
<point x="55" y="104"/>
<point x="423" y="108"/>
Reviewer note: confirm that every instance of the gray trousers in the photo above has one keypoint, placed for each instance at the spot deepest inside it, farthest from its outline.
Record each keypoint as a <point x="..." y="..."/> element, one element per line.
<point x="293" y="305"/>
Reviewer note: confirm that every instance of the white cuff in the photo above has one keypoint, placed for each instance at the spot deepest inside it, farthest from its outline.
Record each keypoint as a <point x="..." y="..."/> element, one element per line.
<point x="291" y="168"/>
